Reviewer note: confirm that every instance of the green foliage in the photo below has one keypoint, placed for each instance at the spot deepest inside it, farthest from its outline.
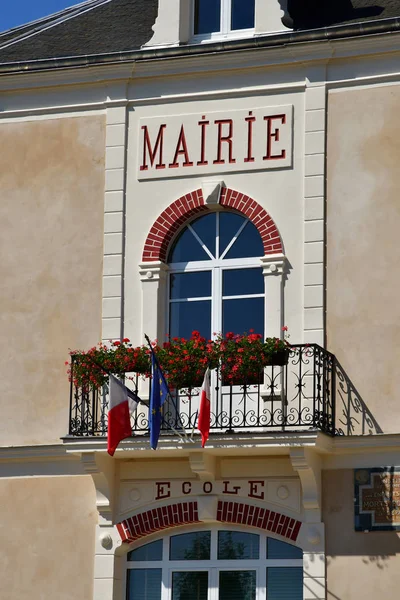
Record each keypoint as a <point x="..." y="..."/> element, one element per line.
<point x="241" y="359"/>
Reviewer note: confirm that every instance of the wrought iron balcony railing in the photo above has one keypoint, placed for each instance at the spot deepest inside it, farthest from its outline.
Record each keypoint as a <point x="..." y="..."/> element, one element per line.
<point x="298" y="396"/>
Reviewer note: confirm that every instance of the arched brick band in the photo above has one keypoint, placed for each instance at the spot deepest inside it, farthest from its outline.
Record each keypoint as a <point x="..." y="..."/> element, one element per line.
<point x="157" y="519"/>
<point x="245" y="514"/>
<point x="180" y="211"/>
<point x="186" y="513"/>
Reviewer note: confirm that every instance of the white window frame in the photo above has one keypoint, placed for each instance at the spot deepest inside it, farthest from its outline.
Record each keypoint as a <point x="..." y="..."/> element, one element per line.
<point x="212" y="566"/>
<point x="216" y="266"/>
<point x="225" y="26"/>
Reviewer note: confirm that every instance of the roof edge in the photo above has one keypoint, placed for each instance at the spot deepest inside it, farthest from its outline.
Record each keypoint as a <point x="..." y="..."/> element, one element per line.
<point x="28" y="30"/>
<point x="352" y="30"/>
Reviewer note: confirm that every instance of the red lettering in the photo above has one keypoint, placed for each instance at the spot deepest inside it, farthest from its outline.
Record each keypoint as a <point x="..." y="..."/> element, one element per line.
<point x="157" y="148"/>
<point x="255" y="491"/>
<point x="207" y="487"/>
<point x="186" y="487"/>
<point x="181" y="148"/>
<point x="163" y="489"/>
<point x="234" y="491"/>
<point x="273" y="135"/>
<point x="203" y="124"/>
<point x="224" y="138"/>
<point x="250" y="120"/>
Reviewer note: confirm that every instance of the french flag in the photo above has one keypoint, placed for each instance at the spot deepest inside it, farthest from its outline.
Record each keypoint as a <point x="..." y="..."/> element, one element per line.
<point x="123" y="402"/>
<point x="203" y="423"/>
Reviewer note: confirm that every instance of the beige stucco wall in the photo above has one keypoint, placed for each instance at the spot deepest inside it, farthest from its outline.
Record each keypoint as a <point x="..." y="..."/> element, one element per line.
<point x="359" y="565"/>
<point x="47" y="526"/>
<point x="51" y="244"/>
<point x="363" y="256"/>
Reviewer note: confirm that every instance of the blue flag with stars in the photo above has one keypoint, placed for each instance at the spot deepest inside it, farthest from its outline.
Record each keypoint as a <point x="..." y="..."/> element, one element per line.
<point x="159" y="394"/>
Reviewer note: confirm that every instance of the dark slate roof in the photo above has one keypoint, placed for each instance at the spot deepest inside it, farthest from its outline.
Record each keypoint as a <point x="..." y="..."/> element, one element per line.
<point x="311" y="14"/>
<point x="108" y="26"/>
<point x="96" y="27"/>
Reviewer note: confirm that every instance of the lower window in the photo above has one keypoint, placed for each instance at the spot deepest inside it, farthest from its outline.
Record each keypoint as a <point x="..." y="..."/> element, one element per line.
<point x="218" y="564"/>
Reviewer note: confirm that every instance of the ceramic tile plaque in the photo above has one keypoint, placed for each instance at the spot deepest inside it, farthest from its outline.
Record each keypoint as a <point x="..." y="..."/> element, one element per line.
<point x="377" y="499"/>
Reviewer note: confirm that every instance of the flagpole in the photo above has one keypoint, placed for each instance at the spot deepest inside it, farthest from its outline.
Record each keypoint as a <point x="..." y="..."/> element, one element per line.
<point x="169" y="394"/>
<point x="194" y="426"/>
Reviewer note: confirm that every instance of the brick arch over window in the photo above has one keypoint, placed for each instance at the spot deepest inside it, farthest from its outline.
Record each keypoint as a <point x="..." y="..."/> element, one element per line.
<point x="185" y="513"/>
<point x="180" y="211"/>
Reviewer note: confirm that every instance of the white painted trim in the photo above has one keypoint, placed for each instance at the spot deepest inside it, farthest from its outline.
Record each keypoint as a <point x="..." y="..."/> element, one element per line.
<point x="236" y="34"/>
<point x="353" y="449"/>
<point x="314" y="204"/>
<point x="114" y="222"/>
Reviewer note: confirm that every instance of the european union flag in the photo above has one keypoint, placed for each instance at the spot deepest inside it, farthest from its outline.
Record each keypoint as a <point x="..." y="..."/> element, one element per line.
<point x="159" y="394"/>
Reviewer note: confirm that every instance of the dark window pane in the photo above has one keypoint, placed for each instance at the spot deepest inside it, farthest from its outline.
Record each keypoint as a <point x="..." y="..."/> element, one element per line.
<point x="190" y="586"/>
<point x="240" y="282"/>
<point x="242" y="14"/>
<point x="205" y="227"/>
<point x="239" y="316"/>
<point x="190" y="285"/>
<point x="152" y="551"/>
<point x="249" y="243"/>
<point x="186" y="317"/>
<point x="229" y="225"/>
<point x="277" y="550"/>
<point x="284" y="583"/>
<point x="237" y="585"/>
<point x="144" y="584"/>
<point x="187" y="248"/>
<point x="190" y="546"/>
<point x="235" y="545"/>
<point x="207" y="16"/>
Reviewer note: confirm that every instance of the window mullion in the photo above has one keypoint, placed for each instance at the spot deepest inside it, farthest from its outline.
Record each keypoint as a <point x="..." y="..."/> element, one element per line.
<point x="262" y="583"/>
<point x="235" y="237"/>
<point x="213" y="584"/>
<point x="226" y="16"/>
<point x="216" y="303"/>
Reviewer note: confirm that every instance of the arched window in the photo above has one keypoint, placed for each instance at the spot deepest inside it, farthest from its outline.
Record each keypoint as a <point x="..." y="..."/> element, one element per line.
<point x="216" y="283"/>
<point x="216" y="564"/>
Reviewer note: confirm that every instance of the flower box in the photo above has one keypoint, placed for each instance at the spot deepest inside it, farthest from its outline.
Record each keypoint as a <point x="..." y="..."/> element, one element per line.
<point x="280" y="358"/>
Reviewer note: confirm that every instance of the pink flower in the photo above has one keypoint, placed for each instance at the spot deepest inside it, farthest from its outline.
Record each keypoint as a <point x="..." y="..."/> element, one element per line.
<point x="126" y="340"/>
<point x="117" y="343"/>
<point x="285" y="328"/>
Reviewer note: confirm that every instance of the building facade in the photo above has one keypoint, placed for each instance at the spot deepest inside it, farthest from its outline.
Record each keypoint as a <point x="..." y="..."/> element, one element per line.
<point x="220" y="166"/>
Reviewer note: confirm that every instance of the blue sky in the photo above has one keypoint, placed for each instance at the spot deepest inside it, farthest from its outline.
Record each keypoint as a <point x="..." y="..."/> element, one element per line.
<point x="18" y="12"/>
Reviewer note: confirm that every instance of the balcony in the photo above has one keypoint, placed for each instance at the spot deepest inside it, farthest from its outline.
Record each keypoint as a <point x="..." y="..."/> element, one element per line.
<point x="297" y="397"/>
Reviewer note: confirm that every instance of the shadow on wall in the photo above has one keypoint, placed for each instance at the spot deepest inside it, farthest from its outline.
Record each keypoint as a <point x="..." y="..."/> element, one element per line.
<point x="307" y="14"/>
<point x="352" y="415"/>
<point x="374" y="548"/>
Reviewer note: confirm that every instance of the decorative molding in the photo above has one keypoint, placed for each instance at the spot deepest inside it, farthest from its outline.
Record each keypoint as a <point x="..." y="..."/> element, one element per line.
<point x="153" y="271"/>
<point x="101" y="467"/>
<point x="271" y="17"/>
<point x="208" y="506"/>
<point x="244" y="442"/>
<point x="274" y="264"/>
<point x="179" y="212"/>
<point x="203" y="465"/>
<point x="307" y="463"/>
<point x="211" y="189"/>
<point x="172" y="26"/>
<point x="106" y="541"/>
